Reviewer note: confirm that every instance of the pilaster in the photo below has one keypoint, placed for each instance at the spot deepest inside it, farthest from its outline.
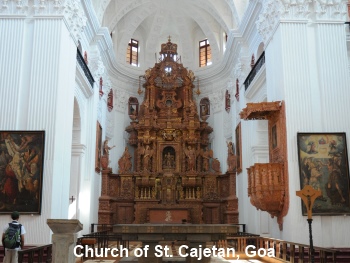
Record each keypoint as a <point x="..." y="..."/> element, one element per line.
<point x="307" y="67"/>
<point x="38" y="48"/>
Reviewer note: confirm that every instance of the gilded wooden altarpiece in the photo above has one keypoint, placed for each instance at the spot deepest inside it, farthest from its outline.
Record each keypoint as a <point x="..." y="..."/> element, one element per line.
<point x="168" y="170"/>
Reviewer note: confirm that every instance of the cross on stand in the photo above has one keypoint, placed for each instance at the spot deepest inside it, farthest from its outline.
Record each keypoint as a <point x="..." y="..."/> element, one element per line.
<point x="72" y="199"/>
<point x="309" y="195"/>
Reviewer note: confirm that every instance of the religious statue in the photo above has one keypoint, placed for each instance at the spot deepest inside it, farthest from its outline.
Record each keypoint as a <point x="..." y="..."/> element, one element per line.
<point x="231" y="158"/>
<point x="216" y="165"/>
<point x="146" y="153"/>
<point x="207" y="155"/>
<point x="169" y="161"/>
<point x="125" y="161"/>
<point x="191" y="158"/>
<point x="106" y="148"/>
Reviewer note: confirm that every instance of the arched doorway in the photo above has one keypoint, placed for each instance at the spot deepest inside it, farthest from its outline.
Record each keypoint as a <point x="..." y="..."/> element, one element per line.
<point x="77" y="154"/>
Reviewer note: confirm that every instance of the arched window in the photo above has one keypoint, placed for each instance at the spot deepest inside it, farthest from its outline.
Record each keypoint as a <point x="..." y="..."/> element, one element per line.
<point x="204" y="53"/>
<point x="132" y="53"/>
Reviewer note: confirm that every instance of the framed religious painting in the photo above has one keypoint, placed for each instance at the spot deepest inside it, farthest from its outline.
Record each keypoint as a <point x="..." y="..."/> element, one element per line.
<point x="238" y="147"/>
<point x="98" y="150"/>
<point x="323" y="164"/>
<point x="21" y="171"/>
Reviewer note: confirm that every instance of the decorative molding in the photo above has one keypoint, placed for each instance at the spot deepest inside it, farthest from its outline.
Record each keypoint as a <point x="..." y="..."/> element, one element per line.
<point x="14" y="8"/>
<point x="96" y="65"/>
<point x="217" y="100"/>
<point x="71" y="10"/>
<point x="276" y="11"/>
<point x="78" y="149"/>
<point x="110" y="123"/>
<point x="82" y="82"/>
<point x="75" y="18"/>
<point x="121" y="100"/>
<point x="228" y="125"/>
<point x="269" y="19"/>
<point x="331" y="10"/>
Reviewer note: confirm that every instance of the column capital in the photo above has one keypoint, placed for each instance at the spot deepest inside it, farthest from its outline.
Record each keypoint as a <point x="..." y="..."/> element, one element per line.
<point x="71" y="11"/>
<point x="307" y="11"/>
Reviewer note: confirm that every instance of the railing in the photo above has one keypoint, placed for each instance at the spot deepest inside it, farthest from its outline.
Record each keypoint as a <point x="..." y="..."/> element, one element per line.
<point x="85" y="68"/>
<point x="104" y="236"/>
<point x="284" y="250"/>
<point x="101" y="227"/>
<point x="258" y="65"/>
<point x="41" y="254"/>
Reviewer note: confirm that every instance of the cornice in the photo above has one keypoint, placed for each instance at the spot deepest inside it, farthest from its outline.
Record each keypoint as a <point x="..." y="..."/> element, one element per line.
<point x="69" y="10"/>
<point x="83" y="82"/>
<point x="257" y="83"/>
<point x="305" y="11"/>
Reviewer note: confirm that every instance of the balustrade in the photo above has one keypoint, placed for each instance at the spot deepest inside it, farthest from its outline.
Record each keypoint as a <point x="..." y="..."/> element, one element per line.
<point x="258" y="65"/>
<point x="85" y="68"/>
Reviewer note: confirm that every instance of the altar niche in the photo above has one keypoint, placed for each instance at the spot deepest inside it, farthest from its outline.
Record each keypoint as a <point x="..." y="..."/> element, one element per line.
<point x="168" y="157"/>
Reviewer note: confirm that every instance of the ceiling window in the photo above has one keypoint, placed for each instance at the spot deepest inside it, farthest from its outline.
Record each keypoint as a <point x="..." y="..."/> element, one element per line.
<point x="132" y="53"/>
<point x="204" y="53"/>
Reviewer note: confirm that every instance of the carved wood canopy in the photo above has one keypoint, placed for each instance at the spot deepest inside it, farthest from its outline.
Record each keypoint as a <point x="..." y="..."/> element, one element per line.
<point x="260" y="111"/>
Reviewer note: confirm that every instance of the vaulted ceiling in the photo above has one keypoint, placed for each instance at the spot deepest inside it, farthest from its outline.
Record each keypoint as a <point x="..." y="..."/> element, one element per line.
<point x="152" y="21"/>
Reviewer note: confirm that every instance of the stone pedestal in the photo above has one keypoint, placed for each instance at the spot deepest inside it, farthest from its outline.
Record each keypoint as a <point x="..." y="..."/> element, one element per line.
<point x="64" y="238"/>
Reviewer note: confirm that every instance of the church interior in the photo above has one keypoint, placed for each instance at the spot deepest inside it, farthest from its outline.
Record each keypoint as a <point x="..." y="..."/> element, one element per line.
<point x="164" y="111"/>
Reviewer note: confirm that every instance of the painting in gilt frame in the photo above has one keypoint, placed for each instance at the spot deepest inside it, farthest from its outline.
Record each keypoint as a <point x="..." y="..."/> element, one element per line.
<point x="21" y="171"/>
<point x="98" y="150"/>
<point x="323" y="164"/>
<point x="239" y="147"/>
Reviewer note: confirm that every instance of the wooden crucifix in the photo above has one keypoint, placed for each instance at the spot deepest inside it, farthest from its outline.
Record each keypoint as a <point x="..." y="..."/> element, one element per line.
<point x="309" y="195"/>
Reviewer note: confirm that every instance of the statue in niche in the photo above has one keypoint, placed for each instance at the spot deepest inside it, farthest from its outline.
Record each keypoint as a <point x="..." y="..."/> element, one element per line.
<point x="179" y="189"/>
<point x="191" y="158"/>
<point x="133" y="106"/>
<point x="207" y="155"/>
<point x="146" y="153"/>
<point x="231" y="158"/>
<point x="168" y="161"/>
<point x="204" y="109"/>
<point x="125" y="161"/>
<point x="198" y="192"/>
